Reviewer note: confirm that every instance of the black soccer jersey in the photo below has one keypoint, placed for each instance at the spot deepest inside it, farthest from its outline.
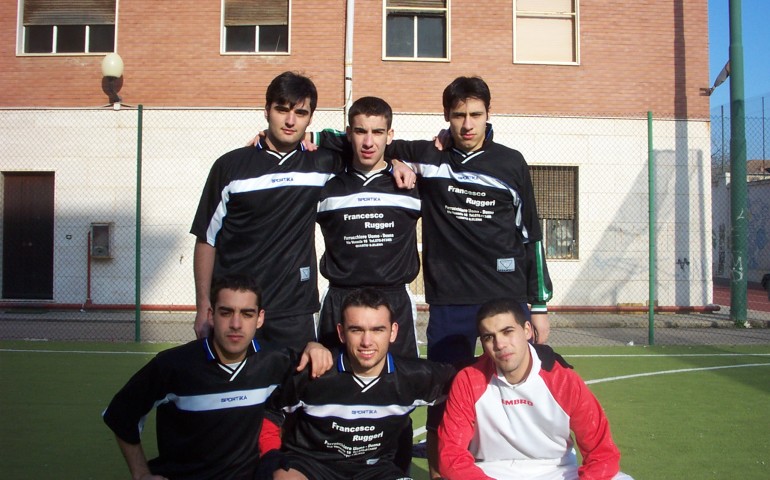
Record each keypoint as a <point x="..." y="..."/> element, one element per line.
<point x="481" y="235"/>
<point x="258" y="210"/>
<point x="368" y="226"/>
<point x="343" y="418"/>
<point x="209" y="415"/>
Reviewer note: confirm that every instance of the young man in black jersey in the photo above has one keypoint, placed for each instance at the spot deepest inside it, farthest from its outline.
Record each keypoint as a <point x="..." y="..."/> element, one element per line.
<point x="369" y="228"/>
<point x="210" y="393"/>
<point x="257" y="215"/>
<point x="348" y="421"/>
<point x="481" y="234"/>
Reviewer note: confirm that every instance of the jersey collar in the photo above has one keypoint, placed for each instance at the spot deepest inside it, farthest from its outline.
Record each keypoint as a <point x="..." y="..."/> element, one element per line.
<point x="262" y="145"/>
<point x="488" y="135"/>
<point x="343" y="364"/>
<point x="211" y="353"/>
<point x="386" y="170"/>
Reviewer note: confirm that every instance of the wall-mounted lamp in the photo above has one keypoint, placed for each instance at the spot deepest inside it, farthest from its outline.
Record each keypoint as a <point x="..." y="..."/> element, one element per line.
<point x="112" y="81"/>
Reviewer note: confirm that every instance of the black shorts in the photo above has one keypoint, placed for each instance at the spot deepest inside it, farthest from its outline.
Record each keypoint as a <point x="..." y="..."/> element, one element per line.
<point x="294" y="331"/>
<point x="316" y="470"/>
<point x="404" y="311"/>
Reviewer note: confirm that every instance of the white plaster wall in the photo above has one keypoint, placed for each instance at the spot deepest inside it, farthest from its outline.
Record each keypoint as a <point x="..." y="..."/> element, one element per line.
<point x="93" y="155"/>
<point x="758" y="229"/>
<point x="613" y="263"/>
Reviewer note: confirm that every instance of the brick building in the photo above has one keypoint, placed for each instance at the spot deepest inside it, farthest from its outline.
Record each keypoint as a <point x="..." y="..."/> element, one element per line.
<point x="572" y="82"/>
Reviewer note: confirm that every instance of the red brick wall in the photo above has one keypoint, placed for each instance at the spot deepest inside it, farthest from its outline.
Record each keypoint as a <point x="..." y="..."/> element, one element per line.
<point x="171" y="54"/>
<point x="634" y="57"/>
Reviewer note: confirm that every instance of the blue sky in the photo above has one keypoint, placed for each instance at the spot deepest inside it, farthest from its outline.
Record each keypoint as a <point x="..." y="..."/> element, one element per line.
<point x="756" y="51"/>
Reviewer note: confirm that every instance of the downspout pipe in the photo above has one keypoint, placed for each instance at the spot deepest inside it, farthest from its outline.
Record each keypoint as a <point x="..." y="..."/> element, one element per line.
<point x="349" y="20"/>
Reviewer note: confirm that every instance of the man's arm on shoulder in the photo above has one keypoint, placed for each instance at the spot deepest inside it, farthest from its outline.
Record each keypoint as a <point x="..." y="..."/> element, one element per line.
<point x="319" y="358"/>
<point x="330" y="139"/>
<point x="136" y="460"/>
<point x="410" y="150"/>
<point x="203" y="270"/>
<point x="441" y="378"/>
<point x="456" y="432"/>
<point x="404" y="176"/>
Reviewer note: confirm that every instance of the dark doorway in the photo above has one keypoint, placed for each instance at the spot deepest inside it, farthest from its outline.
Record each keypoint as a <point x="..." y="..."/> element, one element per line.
<point x="28" y="206"/>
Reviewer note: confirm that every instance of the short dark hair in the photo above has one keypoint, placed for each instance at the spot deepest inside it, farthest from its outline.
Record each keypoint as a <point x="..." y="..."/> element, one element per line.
<point x="463" y="88"/>
<point x="237" y="282"/>
<point x="372" y="107"/>
<point x="366" y="297"/>
<point x="291" y="88"/>
<point x="500" y="306"/>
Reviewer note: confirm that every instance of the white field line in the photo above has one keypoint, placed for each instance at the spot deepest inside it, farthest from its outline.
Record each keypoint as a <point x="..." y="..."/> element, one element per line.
<point x="668" y="372"/>
<point x="658" y="355"/>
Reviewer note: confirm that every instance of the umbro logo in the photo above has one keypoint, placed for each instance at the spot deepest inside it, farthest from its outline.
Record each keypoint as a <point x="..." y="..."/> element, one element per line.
<point x="506" y="264"/>
<point x="304" y="274"/>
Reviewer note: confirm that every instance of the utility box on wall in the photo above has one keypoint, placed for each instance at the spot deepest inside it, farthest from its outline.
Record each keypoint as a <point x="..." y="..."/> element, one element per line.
<point x="101" y="240"/>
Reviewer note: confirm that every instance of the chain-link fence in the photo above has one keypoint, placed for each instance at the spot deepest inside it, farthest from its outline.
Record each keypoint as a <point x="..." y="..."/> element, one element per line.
<point x="757" y="268"/>
<point x="80" y="277"/>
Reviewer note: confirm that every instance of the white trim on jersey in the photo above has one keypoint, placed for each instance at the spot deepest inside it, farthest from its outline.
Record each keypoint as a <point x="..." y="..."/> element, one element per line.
<point x="369" y="199"/>
<point x="413" y="303"/>
<point x="282" y="156"/>
<point x="468" y="156"/>
<point x="363" y="384"/>
<point x="215" y="224"/>
<point x="474" y="178"/>
<point x="218" y="401"/>
<point x="357" y="412"/>
<point x="263" y="182"/>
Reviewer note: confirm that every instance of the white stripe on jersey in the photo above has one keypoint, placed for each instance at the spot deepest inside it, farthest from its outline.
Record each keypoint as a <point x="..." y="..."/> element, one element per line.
<point x="353" y="412"/>
<point x="264" y="182"/>
<point x="369" y="199"/>
<point x="218" y="401"/>
<point x="445" y="171"/>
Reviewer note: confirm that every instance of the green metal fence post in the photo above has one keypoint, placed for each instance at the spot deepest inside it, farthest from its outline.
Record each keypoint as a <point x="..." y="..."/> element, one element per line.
<point x="651" y="208"/>
<point x="738" y="186"/>
<point x="138" y="241"/>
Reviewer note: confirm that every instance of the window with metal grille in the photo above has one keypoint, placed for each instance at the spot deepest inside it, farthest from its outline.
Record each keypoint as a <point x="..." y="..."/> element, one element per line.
<point x="556" y="194"/>
<point x="256" y="26"/>
<point x="416" y="29"/>
<point x="545" y="31"/>
<point x="67" y="26"/>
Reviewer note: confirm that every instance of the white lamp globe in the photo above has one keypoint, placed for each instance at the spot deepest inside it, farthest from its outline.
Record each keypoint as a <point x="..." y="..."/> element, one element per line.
<point x="112" y="65"/>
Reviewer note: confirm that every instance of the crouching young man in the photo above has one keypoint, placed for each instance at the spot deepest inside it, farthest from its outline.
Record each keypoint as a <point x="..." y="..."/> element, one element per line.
<point x="510" y="414"/>
<point x="349" y="420"/>
<point x="209" y="393"/>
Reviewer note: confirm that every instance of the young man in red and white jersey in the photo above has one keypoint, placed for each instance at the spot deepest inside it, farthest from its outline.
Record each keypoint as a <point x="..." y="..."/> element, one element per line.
<point x="511" y="414"/>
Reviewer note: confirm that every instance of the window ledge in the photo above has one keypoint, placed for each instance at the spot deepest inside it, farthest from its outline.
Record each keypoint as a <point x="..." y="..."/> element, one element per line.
<point x="411" y="59"/>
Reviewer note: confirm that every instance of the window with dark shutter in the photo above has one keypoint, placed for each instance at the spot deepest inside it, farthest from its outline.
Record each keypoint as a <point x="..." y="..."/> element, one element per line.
<point x="68" y="26"/>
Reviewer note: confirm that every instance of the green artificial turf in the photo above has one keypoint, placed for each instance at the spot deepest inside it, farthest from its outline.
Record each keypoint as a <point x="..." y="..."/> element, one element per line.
<point x="688" y="423"/>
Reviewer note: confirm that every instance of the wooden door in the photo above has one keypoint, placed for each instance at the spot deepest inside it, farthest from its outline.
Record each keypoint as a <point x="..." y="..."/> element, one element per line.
<point x="28" y="209"/>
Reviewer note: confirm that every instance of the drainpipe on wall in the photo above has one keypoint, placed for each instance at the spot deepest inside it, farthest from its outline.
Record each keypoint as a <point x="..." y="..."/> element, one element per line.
<point x="349" y="19"/>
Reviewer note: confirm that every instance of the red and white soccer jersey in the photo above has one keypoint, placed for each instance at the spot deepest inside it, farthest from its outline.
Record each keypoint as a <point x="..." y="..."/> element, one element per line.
<point x="492" y="429"/>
